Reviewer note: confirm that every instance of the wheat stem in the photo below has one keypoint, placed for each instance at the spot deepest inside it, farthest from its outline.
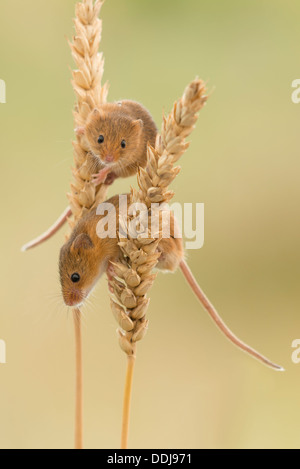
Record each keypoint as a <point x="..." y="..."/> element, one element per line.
<point x="90" y="93"/>
<point x="129" y="302"/>
<point x="78" y="380"/>
<point x="127" y="401"/>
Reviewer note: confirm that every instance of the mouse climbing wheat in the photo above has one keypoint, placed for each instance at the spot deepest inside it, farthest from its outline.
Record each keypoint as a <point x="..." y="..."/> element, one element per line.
<point x="116" y="136"/>
<point x="88" y="254"/>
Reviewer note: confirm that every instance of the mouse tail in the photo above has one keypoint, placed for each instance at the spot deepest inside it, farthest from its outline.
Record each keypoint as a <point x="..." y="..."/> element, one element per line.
<point x="218" y="320"/>
<point x="50" y="232"/>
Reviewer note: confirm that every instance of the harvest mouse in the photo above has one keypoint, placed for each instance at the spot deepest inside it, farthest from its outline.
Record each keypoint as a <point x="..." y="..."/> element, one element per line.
<point x="117" y="135"/>
<point x="85" y="257"/>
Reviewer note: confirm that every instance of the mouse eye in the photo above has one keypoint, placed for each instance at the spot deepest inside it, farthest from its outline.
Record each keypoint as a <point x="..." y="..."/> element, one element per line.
<point x="101" y="139"/>
<point x="123" y="144"/>
<point x="75" y="278"/>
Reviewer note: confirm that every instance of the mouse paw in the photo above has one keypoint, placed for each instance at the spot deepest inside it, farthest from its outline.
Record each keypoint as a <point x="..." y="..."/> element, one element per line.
<point x="110" y="272"/>
<point x="111" y="177"/>
<point x="100" y="177"/>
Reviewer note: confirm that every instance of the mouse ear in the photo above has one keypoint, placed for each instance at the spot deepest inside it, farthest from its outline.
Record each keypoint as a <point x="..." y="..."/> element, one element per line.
<point x="98" y="113"/>
<point x="137" y="125"/>
<point x="80" y="130"/>
<point x="83" y="241"/>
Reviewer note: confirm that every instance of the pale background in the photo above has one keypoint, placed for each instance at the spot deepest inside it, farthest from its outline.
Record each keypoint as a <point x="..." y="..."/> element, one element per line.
<point x="192" y="388"/>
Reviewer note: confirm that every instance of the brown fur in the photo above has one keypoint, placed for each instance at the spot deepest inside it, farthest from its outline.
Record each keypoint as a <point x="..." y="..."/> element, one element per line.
<point x="88" y="255"/>
<point x="126" y="120"/>
<point x="85" y="254"/>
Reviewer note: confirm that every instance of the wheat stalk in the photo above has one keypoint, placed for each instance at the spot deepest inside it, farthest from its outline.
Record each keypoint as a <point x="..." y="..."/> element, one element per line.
<point x="87" y="84"/>
<point x="134" y="276"/>
<point x="79" y="380"/>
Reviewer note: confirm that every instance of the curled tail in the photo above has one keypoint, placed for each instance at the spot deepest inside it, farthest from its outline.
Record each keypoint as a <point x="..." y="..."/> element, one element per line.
<point x="218" y="320"/>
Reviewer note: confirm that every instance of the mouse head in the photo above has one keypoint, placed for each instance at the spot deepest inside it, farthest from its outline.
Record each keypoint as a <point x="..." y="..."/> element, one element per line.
<point x="78" y="270"/>
<point x="112" y="136"/>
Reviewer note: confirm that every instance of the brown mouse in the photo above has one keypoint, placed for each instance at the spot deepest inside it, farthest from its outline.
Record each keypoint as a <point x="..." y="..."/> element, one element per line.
<point x="117" y="135"/>
<point x="83" y="260"/>
<point x="85" y="257"/>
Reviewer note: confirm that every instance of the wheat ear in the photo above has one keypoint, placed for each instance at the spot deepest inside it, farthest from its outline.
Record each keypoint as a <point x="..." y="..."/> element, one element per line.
<point x="87" y="84"/>
<point x="134" y="275"/>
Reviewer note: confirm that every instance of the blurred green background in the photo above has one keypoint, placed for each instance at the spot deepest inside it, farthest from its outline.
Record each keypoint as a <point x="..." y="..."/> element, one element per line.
<point x="192" y="388"/>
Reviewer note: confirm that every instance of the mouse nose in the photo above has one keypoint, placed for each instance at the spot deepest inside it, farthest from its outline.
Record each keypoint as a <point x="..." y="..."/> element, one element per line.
<point x="73" y="298"/>
<point x="109" y="158"/>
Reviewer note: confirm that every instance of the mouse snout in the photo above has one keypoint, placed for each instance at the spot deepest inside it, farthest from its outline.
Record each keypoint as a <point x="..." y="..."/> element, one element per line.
<point x="109" y="158"/>
<point x="73" y="298"/>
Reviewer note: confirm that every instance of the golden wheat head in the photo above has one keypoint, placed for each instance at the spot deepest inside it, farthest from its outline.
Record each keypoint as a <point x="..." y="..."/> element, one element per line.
<point x="87" y="84"/>
<point x="134" y="276"/>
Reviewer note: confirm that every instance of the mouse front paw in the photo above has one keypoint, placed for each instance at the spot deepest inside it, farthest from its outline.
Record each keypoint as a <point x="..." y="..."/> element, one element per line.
<point x="111" y="177"/>
<point x="110" y="271"/>
<point x="100" y="177"/>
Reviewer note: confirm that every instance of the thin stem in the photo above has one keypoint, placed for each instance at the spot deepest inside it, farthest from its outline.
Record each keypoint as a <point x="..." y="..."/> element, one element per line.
<point x="127" y="401"/>
<point x="78" y="388"/>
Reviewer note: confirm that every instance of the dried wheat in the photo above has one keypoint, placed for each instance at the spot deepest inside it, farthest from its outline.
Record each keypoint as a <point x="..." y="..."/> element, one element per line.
<point x="134" y="273"/>
<point x="87" y="84"/>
